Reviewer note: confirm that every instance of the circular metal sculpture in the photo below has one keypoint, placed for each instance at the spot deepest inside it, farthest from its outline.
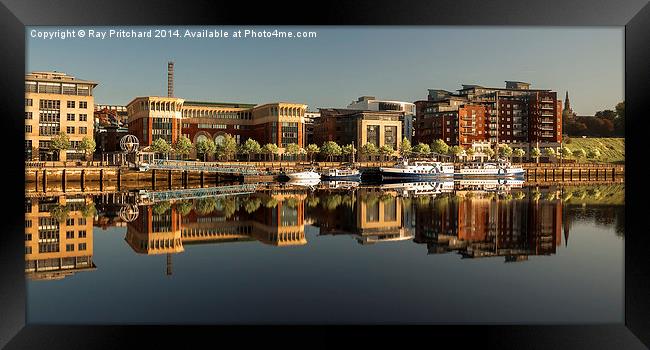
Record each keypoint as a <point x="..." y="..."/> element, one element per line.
<point x="129" y="143"/>
<point x="218" y="140"/>
<point x="129" y="212"/>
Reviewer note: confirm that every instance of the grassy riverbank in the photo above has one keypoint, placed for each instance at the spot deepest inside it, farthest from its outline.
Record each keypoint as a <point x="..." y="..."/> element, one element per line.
<point x="612" y="150"/>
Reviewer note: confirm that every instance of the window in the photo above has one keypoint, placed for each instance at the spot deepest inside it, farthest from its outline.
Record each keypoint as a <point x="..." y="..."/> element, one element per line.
<point x="28" y="236"/>
<point x="70" y="117"/>
<point x="70" y="129"/>
<point x="83" y="117"/>
<point x="69" y="248"/>
<point x="28" y="115"/>
<point x="82" y="234"/>
<point x="83" y="130"/>
<point x="69" y="234"/>
<point x="28" y="250"/>
<point x="69" y="222"/>
<point x="28" y="223"/>
<point x="28" y="102"/>
<point x="28" y="129"/>
<point x="71" y="104"/>
<point x="83" y="104"/>
<point x="373" y="134"/>
<point x="82" y="246"/>
<point x="81" y="221"/>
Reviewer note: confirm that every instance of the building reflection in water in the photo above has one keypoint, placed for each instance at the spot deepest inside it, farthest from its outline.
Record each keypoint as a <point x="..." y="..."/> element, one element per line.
<point x="58" y="236"/>
<point x="271" y="218"/>
<point x="513" y="222"/>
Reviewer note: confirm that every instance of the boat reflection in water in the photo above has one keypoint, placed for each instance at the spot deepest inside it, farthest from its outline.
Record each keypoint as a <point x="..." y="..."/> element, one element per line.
<point x="474" y="218"/>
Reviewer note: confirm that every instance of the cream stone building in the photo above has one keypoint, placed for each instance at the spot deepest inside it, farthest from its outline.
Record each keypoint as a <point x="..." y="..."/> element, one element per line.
<point x="56" y="102"/>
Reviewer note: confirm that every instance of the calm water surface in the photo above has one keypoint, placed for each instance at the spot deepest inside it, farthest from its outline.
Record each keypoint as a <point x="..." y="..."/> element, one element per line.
<point x="331" y="253"/>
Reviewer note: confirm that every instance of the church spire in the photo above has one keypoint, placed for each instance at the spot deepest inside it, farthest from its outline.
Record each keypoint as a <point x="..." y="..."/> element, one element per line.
<point x="567" y="104"/>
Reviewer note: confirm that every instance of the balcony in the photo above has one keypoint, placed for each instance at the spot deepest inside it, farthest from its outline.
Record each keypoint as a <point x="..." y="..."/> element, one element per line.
<point x="547" y="114"/>
<point x="546" y="134"/>
<point x="547" y="128"/>
<point x="547" y="121"/>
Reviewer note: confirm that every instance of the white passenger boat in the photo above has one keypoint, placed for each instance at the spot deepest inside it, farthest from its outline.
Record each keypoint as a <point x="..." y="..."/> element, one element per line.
<point x="488" y="185"/>
<point x="500" y="168"/>
<point x="417" y="170"/>
<point x="304" y="175"/>
<point x="341" y="174"/>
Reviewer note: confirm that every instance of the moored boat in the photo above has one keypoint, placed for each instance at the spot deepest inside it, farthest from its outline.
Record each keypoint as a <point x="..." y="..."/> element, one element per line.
<point x="341" y="174"/>
<point x="417" y="170"/>
<point x="500" y="168"/>
<point x="304" y="175"/>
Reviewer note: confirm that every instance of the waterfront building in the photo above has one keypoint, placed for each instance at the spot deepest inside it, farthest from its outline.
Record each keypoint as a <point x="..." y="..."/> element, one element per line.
<point x="111" y="114"/>
<point x="358" y="127"/>
<point x="154" y="117"/>
<point x="311" y="118"/>
<point x="515" y="115"/>
<point x="58" y="237"/>
<point x="370" y="103"/>
<point x="56" y="102"/>
<point x="107" y="138"/>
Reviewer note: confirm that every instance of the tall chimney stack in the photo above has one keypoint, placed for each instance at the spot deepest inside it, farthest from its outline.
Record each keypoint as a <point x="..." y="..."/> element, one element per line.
<point x="170" y="79"/>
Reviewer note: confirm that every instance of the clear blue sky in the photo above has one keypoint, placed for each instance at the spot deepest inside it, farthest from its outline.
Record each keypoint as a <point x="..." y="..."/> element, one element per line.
<point x="343" y="63"/>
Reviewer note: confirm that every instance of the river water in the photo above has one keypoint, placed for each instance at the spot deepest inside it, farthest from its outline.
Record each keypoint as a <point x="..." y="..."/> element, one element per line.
<point x="330" y="253"/>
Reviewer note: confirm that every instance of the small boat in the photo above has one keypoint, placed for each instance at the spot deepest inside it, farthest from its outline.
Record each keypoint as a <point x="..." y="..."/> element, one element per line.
<point x="341" y="174"/>
<point x="417" y="170"/>
<point x="304" y="175"/>
<point x="500" y="168"/>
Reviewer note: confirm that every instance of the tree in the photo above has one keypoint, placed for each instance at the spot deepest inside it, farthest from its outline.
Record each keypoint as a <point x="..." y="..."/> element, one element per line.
<point x="535" y="152"/>
<point x="439" y="146"/>
<point x="312" y="149"/>
<point x="227" y="148"/>
<point x="330" y="149"/>
<point x="593" y="153"/>
<point x="549" y="152"/>
<point x="87" y="145"/>
<point x="369" y="149"/>
<point x="470" y="152"/>
<point x="348" y="150"/>
<point x="566" y="152"/>
<point x="456" y="151"/>
<point x="579" y="153"/>
<point x="619" y="122"/>
<point x="59" y="143"/>
<point x="386" y="150"/>
<point x="161" y="146"/>
<point x="421" y="149"/>
<point x="519" y="153"/>
<point x="183" y="146"/>
<point x="250" y="147"/>
<point x="405" y="148"/>
<point x="270" y="149"/>
<point x="292" y="149"/>
<point x="505" y="151"/>
<point x="489" y="152"/>
<point x="206" y="147"/>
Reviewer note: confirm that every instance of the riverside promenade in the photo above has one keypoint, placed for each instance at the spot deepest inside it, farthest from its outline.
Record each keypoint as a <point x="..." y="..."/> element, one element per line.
<point x="51" y="175"/>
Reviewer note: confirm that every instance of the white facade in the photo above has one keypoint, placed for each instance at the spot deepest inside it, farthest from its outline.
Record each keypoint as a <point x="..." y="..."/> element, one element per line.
<point x="370" y="103"/>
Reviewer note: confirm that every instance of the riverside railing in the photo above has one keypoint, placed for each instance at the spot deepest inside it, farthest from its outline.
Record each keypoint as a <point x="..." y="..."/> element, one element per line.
<point x="204" y="166"/>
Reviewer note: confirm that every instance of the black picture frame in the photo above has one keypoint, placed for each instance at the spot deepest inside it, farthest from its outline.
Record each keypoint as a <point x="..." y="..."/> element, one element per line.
<point x="633" y="14"/>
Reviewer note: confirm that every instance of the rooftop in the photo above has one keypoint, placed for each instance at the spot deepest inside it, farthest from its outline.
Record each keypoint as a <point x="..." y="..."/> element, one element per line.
<point x="54" y="76"/>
